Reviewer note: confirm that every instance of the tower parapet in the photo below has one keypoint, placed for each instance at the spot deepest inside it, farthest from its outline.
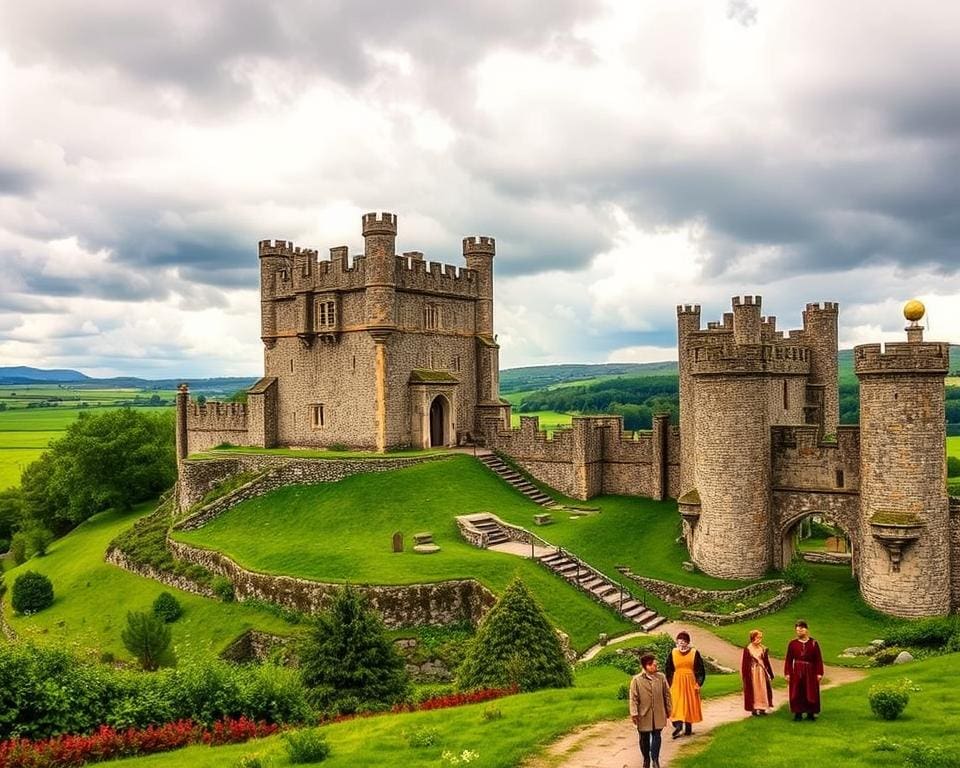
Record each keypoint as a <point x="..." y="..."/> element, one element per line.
<point x="746" y="320"/>
<point x="902" y="357"/>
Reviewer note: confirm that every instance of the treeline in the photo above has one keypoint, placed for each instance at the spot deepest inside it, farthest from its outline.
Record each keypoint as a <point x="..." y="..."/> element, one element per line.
<point x="637" y="398"/>
<point x="109" y="460"/>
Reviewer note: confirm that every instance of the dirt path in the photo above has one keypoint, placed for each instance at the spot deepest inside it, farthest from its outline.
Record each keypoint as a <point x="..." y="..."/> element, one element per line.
<point x="613" y="744"/>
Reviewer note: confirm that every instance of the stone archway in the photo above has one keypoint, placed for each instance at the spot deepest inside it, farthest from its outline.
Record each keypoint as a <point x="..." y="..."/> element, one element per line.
<point x="792" y="508"/>
<point x="439" y="422"/>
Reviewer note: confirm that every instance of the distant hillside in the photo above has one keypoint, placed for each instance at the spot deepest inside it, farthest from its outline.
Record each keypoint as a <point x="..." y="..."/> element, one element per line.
<point x="542" y="376"/>
<point x="22" y="374"/>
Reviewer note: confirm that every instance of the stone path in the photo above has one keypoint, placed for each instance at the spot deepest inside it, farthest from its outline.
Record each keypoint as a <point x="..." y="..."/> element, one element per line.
<point x="613" y="744"/>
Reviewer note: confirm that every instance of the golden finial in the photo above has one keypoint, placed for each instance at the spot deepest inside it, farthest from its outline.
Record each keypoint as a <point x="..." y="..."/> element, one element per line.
<point x="913" y="310"/>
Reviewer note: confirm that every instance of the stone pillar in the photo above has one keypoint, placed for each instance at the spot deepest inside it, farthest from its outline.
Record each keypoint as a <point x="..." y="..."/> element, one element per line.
<point x="182" y="437"/>
<point x="661" y="428"/>
<point x="380" y="350"/>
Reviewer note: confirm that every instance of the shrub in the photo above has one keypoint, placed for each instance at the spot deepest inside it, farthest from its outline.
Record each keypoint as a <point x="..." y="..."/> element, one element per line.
<point x="167" y="608"/>
<point x="919" y="754"/>
<point x="347" y="661"/>
<point x="424" y="736"/>
<point x="251" y="761"/>
<point x="934" y="632"/>
<point x="39" y="540"/>
<point x="18" y="548"/>
<point x="490" y="714"/>
<point x="885" y="656"/>
<point x="147" y="637"/>
<point x="888" y="700"/>
<point x="515" y="645"/>
<point x="307" y="746"/>
<point x="424" y="693"/>
<point x="4" y="545"/>
<point x="796" y="574"/>
<point x="623" y="692"/>
<point x="31" y="592"/>
<point x="223" y="588"/>
<point x="953" y="466"/>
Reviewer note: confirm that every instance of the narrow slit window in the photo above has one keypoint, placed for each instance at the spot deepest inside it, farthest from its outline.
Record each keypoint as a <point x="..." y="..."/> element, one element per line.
<point x="431" y="317"/>
<point x="786" y="397"/>
<point x="839" y="478"/>
<point x="317" y="416"/>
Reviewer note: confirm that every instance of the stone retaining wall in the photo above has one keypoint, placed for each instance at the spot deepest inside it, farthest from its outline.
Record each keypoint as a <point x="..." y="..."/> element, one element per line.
<point x="118" y="558"/>
<point x="830" y="558"/>
<point x="682" y="595"/>
<point x="786" y="594"/>
<point x="406" y="605"/>
<point x="199" y="476"/>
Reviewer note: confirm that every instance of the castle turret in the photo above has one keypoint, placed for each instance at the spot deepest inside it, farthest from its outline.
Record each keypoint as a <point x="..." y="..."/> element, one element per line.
<point x="746" y="320"/>
<point x="478" y="253"/>
<point x="380" y="281"/>
<point x="821" y="338"/>
<point x="904" y="560"/>
<point x="276" y="262"/>
<point x="688" y="322"/>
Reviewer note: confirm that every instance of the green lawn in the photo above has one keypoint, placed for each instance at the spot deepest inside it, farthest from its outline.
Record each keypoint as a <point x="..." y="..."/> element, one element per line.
<point x="529" y="722"/>
<point x="342" y="531"/>
<point x="92" y="598"/>
<point x="953" y="446"/>
<point x="846" y="732"/>
<point x="831" y="605"/>
<point x="549" y="420"/>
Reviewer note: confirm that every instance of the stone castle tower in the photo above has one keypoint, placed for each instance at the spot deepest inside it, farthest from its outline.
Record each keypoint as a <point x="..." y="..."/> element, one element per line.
<point x="375" y="352"/>
<point x="761" y="449"/>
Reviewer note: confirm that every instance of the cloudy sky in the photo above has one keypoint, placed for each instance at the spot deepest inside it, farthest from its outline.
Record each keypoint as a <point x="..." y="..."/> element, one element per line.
<point x="627" y="157"/>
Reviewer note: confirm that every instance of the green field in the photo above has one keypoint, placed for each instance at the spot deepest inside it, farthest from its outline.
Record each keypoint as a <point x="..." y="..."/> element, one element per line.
<point x="847" y="732"/>
<point x="549" y="420"/>
<point x="25" y="432"/>
<point x="92" y="598"/>
<point x="953" y="446"/>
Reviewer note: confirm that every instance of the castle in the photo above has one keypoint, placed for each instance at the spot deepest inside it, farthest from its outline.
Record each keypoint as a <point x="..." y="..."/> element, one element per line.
<point x="382" y="352"/>
<point x="376" y="352"/>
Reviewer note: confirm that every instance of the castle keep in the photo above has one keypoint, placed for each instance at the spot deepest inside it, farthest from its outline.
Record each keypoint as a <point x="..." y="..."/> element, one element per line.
<point x="376" y="352"/>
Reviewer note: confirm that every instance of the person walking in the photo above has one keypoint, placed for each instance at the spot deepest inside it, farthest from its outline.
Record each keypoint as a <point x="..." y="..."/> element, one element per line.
<point x="685" y="674"/>
<point x="803" y="669"/>
<point x="650" y="707"/>
<point x="756" y="673"/>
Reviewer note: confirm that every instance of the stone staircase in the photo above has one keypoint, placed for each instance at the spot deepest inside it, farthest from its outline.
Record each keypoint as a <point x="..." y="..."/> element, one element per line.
<point x="602" y="589"/>
<point x="492" y="530"/>
<point x="509" y="475"/>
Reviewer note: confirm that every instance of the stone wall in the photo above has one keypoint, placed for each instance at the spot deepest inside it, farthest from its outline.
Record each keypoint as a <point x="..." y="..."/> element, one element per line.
<point x="197" y="477"/>
<point x="595" y="455"/>
<point x="683" y="595"/>
<point x="436" y="604"/>
<point x="116" y="557"/>
<point x="802" y="461"/>
<point x="828" y="558"/>
<point x="772" y="605"/>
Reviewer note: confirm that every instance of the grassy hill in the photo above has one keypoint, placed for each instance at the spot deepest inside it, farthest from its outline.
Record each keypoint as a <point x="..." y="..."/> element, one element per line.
<point x="92" y="598"/>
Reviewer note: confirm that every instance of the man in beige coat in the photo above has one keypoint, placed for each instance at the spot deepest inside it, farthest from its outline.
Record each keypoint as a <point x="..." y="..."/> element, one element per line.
<point x="650" y="707"/>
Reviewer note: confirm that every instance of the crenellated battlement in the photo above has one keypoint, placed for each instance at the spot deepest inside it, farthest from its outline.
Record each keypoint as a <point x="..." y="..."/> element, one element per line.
<point x="214" y="416"/>
<point x="733" y="359"/>
<point x="415" y="274"/>
<point x="826" y="306"/>
<point x="688" y="309"/>
<point x="479" y="244"/>
<point x="747" y="301"/>
<point x="902" y="357"/>
<point x="379" y="224"/>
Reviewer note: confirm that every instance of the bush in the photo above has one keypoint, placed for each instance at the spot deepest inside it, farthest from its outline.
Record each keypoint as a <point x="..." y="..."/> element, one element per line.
<point x="39" y="540"/>
<point x="18" y="548"/>
<point x="919" y="754"/>
<point x="251" y="761"/>
<point x="167" y="608"/>
<point x="885" y="656"/>
<point x="515" y="645"/>
<point x="223" y="588"/>
<point x="888" y="700"/>
<point x="424" y="736"/>
<point x="32" y="592"/>
<point x="4" y="545"/>
<point x="953" y="466"/>
<point x="796" y="574"/>
<point x="147" y="637"/>
<point x="623" y="692"/>
<point x="348" y="663"/>
<point x="934" y="632"/>
<point x="308" y="746"/>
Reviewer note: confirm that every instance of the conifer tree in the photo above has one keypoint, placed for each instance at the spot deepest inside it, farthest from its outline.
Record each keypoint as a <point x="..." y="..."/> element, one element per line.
<point x="515" y="645"/>
<point x="348" y="662"/>
<point x="148" y="638"/>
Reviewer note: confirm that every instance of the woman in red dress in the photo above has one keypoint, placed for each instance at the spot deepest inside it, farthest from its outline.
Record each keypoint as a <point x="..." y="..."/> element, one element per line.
<point x="804" y="670"/>
<point x="756" y="673"/>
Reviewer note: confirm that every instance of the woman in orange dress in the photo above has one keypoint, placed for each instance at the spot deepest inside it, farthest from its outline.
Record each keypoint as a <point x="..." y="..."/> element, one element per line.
<point x="685" y="674"/>
<point x="756" y="673"/>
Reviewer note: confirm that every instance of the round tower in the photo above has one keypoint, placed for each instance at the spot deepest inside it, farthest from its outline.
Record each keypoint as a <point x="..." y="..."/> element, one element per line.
<point x="904" y="557"/>
<point x="478" y="253"/>
<point x="379" y="264"/>
<point x="688" y="322"/>
<point x="276" y="260"/>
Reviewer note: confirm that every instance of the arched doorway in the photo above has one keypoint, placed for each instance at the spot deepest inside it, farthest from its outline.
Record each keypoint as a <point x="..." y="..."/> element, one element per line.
<point x="817" y="537"/>
<point x="439" y="418"/>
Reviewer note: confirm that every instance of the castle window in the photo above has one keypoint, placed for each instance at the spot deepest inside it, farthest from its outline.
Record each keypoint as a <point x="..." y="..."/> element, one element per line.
<point x="786" y="400"/>
<point x="456" y="363"/>
<point x="839" y="478"/>
<point x="326" y="314"/>
<point x="291" y="365"/>
<point x="431" y="317"/>
<point x="354" y="362"/>
<point x="316" y="413"/>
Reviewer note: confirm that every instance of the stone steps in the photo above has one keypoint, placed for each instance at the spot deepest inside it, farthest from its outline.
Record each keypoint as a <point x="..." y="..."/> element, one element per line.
<point x="602" y="589"/>
<point x="515" y="479"/>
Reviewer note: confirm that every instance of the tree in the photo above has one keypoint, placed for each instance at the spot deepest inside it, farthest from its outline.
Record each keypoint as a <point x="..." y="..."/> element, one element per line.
<point x="515" y="645"/>
<point x="108" y="460"/>
<point x="11" y="511"/>
<point x="147" y="637"/>
<point x="347" y="661"/>
<point x="31" y="592"/>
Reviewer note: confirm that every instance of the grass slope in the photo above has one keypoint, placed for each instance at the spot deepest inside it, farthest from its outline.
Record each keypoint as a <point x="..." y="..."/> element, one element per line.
<point x="846" y="731"/>
<point x="833" y="608"/>
<point x="342" y="531"/>
<point x="92" y="598"/>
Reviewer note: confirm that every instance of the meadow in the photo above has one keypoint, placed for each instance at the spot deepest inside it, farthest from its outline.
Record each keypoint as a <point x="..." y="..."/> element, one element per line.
<point x="91" y="598"/>
<point x="26" y="428"/>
